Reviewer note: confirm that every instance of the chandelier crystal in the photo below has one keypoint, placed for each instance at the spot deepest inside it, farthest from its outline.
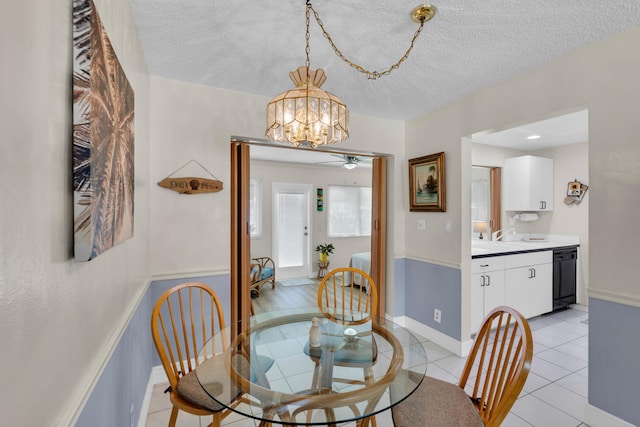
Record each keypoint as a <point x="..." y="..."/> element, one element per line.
<point x="307" y="113"/>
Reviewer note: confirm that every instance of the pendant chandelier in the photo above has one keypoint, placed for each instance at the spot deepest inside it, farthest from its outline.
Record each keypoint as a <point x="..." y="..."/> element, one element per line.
<point x="312" y="116"/>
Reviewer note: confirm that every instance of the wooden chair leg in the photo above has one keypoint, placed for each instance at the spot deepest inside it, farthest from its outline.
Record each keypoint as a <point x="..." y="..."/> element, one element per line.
<point x="217" y="419"/>
<point x="174" y="417"/>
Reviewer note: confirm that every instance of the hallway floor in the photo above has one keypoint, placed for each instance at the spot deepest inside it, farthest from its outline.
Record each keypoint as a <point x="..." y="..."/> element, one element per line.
<point x="554" y="395"/>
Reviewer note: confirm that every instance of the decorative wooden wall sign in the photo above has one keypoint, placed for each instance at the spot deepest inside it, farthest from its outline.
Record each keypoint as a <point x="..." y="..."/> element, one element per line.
<point x="103" y="139"/>
<point x="191" y="184"/>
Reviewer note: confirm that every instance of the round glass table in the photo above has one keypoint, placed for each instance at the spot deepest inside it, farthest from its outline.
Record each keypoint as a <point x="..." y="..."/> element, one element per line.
<point x="275" y="375"/>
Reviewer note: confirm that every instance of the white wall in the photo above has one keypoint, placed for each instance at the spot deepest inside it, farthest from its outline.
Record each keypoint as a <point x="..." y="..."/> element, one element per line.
<point x="319" y="177"/>
<point x="602" y="78"/>
<point x="59" y="319"/>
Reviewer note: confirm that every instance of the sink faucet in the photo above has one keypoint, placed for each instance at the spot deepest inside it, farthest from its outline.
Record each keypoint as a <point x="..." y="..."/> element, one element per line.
<point x="499" y="234"/>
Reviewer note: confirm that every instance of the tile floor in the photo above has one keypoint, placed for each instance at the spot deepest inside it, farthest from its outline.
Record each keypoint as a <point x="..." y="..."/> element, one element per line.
<point x="554" y="395"/>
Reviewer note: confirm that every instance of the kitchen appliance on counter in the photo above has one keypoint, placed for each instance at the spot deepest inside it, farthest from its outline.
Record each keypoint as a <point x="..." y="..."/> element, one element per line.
<point x="564" y="277"/>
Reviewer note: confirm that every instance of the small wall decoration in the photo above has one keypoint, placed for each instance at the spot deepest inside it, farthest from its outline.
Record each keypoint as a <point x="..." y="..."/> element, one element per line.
<point x="103" y="139"/>
<point x="575" y="192"/>
<point x="190" y="184"/>
<point x="427" y="184"/>
<point x="320" y="199"/>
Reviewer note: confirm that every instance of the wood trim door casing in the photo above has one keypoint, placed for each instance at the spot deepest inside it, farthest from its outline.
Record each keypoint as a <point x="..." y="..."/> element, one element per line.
<point x="379" y="229"/>
<point x="240" y="238"/>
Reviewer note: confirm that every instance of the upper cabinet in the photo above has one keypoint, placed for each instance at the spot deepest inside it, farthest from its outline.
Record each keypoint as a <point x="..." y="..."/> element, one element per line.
<point x="528" y="184"/>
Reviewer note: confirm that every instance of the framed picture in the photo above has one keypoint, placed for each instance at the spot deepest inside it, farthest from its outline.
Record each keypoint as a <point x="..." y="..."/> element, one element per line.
<point x="427" y="184"/>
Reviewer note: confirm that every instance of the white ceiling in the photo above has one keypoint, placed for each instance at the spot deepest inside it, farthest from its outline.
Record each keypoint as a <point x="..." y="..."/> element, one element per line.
<point x="561" y="130"/>
<point x="251" y="46"/>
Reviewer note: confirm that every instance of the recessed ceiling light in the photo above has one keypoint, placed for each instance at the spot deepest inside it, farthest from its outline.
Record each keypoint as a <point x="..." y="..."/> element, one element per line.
<point x="533" y="137"/>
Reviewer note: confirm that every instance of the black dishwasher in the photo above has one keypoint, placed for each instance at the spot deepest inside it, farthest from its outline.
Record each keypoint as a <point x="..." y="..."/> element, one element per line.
<point x="564" y="277"/>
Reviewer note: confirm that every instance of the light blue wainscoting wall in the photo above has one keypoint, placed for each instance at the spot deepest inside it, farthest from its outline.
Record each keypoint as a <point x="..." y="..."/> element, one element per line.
<point x="429" y="286"/>
<point x="399" y="273"/>
<point x="614" y="352"/>
<point x="124" y="380"/>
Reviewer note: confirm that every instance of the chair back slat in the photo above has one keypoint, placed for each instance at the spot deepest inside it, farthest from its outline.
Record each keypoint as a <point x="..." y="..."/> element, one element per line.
<point x="500" y="360"/>
<point x="183" y="320"/>
<point x="347" y="290"/>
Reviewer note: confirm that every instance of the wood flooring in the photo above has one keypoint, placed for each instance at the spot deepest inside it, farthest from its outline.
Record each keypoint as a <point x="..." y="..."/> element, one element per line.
<point x="283" y="297"/>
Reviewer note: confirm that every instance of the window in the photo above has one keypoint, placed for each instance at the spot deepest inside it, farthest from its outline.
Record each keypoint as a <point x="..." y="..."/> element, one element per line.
<point x="255" y="208"/>
<point x="349" y="211"/>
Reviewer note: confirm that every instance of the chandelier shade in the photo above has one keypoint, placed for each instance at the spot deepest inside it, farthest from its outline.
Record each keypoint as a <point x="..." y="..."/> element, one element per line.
<point x="307" y="113"/>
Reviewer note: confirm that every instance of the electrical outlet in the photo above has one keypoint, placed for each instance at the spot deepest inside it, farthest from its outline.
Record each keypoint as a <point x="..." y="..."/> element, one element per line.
<point x="437" y="315"/>
<point x="421" y="224"/>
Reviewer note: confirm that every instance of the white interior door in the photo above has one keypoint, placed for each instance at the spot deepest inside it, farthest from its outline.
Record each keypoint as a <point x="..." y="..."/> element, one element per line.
<point x="291" y="229"/>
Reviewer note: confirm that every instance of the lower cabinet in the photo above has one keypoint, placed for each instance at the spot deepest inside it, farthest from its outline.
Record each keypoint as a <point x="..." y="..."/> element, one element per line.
<point x="487" y="288"/>
<point x="529" y="283"/>
<point x="522" y="281"/>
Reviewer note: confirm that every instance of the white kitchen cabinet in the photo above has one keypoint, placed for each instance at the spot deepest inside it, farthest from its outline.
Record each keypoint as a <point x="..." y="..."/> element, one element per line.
<point x="487" y="287"/>
<point x="528" y="184"/>
<point x="529" y="283"/>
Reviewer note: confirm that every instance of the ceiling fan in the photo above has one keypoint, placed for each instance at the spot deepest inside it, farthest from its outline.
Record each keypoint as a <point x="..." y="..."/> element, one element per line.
<point x="348" y="161"/>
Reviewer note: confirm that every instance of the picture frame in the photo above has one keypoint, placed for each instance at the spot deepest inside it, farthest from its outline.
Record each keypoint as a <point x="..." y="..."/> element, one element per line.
<point x="427" y="187"/>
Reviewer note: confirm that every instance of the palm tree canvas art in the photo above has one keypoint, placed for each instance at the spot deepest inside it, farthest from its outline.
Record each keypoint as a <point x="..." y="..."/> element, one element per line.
<point x="103" y="139"/>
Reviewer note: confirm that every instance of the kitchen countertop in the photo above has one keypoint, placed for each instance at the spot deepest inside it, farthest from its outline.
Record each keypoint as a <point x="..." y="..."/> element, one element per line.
<point x="514" y="244"/>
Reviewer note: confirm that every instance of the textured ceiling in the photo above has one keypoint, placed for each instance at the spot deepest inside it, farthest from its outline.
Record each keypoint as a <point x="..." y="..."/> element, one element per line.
<point x="250" y="46"/>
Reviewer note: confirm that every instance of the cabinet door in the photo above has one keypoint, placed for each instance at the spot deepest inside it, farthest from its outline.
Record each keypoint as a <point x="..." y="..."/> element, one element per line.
<point x="515" y="182"/>
<point x="477" y="301"/>
<point x="528" y="183"/>
<point x="493" y="291"/>
<point x="542" y="183"/>
<point x="487" y="293"/>
<point x="530" y="289"/>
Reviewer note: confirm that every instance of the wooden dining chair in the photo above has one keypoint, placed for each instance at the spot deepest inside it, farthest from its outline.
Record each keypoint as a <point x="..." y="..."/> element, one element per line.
<point x="345" y="290"/>
<point x="492" y="378"/>
<point x="184" y="319"/>
<point x="348" y="296"/>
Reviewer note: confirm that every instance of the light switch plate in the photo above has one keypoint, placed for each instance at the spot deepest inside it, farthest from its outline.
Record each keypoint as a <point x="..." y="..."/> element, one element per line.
<point x="421" y="224"/>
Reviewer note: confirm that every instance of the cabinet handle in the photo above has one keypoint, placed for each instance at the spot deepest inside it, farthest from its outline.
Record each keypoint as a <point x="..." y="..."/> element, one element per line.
<point x="483" y="280"/>
<point x="534" y="272"/>
<point x="484" y="265"/>
<point x="488" y="280"/>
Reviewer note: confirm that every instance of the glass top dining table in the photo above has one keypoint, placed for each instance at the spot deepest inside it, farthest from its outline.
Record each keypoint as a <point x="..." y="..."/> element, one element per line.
<point x="276" y="376"/>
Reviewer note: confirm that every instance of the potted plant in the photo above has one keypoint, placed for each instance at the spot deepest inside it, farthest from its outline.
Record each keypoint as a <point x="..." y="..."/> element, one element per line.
<point x="325" y="249"/>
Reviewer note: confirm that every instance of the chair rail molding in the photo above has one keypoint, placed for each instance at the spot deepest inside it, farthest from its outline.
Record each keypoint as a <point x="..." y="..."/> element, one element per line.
<point x="434" y="261"/>
<point x="614" y="296"/>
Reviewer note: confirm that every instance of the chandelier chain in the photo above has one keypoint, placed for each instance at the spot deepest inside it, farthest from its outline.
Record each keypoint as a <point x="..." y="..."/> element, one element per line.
<point x="371" y="75"/>
<point x="307" y="49"/>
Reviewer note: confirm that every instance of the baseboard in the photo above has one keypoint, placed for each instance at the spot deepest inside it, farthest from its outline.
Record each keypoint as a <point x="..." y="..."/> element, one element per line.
<point x="459" y="348"/>
<point x="596" y="417"/>
<point x="157" y="376"/>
